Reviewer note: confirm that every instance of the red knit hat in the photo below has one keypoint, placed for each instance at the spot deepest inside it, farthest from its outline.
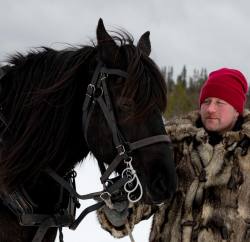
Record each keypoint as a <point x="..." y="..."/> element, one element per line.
<point x="227" y="84"/>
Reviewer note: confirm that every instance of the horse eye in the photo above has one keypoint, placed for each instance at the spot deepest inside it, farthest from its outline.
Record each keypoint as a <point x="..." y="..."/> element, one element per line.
<point x="126" y="106"/>
<point x="119" y="81"/>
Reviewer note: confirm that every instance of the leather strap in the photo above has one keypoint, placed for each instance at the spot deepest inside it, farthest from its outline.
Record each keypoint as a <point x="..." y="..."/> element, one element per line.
<point x="42" y="229"/>
<point x="66" y="185"/>
<point x="149" y="141"/>
<point x="111" y="168"/>
<point x="86" y="211"/>
<point x="117" y="72"/>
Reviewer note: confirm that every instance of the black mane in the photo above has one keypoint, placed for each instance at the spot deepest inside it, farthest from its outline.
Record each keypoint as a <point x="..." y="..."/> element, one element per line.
<point x="45" y="89"/>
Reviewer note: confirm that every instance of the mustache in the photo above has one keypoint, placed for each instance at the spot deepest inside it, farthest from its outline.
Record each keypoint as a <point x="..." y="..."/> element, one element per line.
<point x="211" y="117"/>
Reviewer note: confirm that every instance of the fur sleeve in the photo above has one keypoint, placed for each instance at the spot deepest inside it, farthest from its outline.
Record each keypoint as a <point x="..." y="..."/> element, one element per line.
<point x="137" y="212"/>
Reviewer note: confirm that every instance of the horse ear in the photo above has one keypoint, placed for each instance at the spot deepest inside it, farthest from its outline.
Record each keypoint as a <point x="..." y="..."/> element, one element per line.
<point x="144" y="43"/>
<point x="106" y="45"/>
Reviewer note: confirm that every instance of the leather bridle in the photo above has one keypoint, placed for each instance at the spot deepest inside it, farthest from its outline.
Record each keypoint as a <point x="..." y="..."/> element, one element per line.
<point x="96" y="94"/>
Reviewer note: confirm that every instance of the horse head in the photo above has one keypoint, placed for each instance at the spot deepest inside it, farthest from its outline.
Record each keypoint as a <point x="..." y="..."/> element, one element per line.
<point x="131" y="98"/>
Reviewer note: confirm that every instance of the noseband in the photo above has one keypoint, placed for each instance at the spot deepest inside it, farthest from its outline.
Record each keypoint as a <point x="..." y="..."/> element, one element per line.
<point x="97" y="93"/>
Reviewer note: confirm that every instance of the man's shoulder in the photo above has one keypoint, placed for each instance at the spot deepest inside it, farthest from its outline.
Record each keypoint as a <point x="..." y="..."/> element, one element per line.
<point x="245" y="127"/>
<point x="246" y="113"/>
<point x="188" y="118"/>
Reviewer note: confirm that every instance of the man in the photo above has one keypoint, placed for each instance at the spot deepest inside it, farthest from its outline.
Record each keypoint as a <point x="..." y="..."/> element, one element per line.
<point x="211" y="149"/>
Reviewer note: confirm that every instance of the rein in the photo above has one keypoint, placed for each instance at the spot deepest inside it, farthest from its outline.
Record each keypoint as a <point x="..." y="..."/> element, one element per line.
<point x="97" y="93"/>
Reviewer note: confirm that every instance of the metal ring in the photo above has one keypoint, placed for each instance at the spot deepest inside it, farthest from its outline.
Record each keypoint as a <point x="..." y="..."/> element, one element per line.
<point x="105" y="195"/>
<point x="128" y="159"/>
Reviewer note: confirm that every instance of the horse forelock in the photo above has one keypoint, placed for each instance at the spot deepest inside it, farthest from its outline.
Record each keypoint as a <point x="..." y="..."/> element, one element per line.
<point x="145" y="85"/>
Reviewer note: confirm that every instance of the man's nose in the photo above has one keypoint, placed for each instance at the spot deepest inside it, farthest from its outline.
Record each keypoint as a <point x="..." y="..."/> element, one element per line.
<point x="211" y="108"/>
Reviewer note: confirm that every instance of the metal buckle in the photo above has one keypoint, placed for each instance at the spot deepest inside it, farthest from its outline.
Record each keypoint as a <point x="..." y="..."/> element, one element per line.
<point x="121" y="149"/>
<point x="90" y="90"/>
<point x="103" y="76"/>
<point x="106" y="197"/>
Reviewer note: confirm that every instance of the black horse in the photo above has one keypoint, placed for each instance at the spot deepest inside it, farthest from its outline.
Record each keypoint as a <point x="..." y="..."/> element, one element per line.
<point x="56" y="107"/>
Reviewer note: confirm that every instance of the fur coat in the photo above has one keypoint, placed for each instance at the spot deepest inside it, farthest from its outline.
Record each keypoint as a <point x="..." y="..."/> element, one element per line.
<point x="212" y="200"/>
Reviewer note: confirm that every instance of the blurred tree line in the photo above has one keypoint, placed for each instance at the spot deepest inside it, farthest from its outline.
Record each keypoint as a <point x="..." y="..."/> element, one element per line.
<point x="183" y="90"/>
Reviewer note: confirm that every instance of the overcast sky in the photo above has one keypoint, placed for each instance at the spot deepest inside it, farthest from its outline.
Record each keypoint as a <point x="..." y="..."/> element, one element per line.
<point x="195" y="33"/>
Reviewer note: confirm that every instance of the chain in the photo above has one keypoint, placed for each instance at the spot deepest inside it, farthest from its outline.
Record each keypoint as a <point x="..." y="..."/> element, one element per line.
<point x="133" y="184"/>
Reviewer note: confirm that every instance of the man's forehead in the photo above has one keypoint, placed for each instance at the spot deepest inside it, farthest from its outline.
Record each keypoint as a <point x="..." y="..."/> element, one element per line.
<point x="215" y="99"/>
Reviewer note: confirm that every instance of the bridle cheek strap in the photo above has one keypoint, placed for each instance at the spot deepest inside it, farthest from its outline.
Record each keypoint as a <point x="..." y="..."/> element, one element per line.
<point x="98" y="83"/>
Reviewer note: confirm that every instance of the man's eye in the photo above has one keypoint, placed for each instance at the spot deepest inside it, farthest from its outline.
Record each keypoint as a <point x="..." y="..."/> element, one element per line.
<point x="206" y="102"/>
<point x="221" y="102"/>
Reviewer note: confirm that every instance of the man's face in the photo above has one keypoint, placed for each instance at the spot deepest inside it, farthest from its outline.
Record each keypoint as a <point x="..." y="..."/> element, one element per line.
<point x="218" y="115"/>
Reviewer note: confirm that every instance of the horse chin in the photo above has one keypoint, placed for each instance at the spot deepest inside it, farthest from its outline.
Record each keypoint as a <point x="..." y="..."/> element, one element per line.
<point x="158" y="190"/>
<point x="148" y="198"/>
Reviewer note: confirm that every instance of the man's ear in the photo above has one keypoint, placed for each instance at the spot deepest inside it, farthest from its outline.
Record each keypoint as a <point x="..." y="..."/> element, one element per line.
<point x="236" y="115"/>
<point x="144" y="43"/>
<point x="107" y="48"/>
